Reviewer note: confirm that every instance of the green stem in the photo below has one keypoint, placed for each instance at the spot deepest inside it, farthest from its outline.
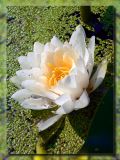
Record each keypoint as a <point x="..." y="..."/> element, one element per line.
<point x="86" y="14"/>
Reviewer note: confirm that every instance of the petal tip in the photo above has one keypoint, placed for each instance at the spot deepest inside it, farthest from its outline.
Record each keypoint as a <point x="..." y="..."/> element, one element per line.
<point x="78" y="27"/>
<point x="14" y="96"/>
<point x="12" y="79"/>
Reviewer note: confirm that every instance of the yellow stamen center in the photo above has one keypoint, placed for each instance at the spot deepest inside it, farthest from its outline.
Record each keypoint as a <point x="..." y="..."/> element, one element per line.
<point x="57" y="73"/>
<point x="58" y="69"/>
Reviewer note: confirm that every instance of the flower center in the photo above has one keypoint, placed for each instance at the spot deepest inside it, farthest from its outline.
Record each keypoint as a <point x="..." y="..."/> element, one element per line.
<point x="57" y="73"/>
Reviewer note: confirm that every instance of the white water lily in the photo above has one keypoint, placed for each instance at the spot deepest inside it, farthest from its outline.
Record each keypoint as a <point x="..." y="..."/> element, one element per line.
<point x="58" y="73"/>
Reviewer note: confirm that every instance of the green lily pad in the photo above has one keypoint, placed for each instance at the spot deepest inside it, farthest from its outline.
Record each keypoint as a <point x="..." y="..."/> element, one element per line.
<point x="25" y="26"/>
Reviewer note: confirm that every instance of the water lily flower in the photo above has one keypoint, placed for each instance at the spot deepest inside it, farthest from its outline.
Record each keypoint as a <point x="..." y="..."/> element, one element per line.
<point x="58" y="73"/>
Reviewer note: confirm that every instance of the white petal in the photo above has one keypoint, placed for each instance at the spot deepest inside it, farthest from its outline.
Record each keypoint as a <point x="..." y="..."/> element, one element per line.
<point x="89" y="65"/>
<point x="37" y="104"/>
<point x="74" y="70"/>
<point x="37" y="60"/>
<point x="49" y="48"/>
<point x="83" y="101"/>
<point x="91" y="46"/>
<point x="69" y="50"/>
<point x="82" y="75"/>
<point x="99" y="75"/>
<point x="74" y="83"/>
<point x="27" y="74"/>
<point x="24" y="74"/>
<point x="70" y="90"/>
<point x="81" y="65"/>
<point x="23" y="62"/>
<point x="39" y="89"/>
<point x="82" y="78"/>
<point x="62" y="99"/>
<point x="69" y="81"/>
<point x="33" y="59"/>
<point x="66" y="108"/>
<point x="67" y="89"/>
<point x="86" y="57"/>
<point x="30" y="59"/>
<point x="32" y="85"/>
<point x="21" y="95"/>
<point x="90" y="61"/>
<point x="56" y="90"/>
<point x="77" y="40"/>
<point x="47" y="57"/>
<point x="50" y="95"/>
<point x="38" y="48"/>
<point x="58" y="57"/>
<point x="16" y="81"/>
<point x="49" y="122"/>
<point x="56" y="42"/>
<point x="36" y="73"/>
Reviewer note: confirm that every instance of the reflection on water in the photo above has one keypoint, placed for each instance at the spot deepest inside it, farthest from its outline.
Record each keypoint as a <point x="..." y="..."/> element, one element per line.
<point x="100" y="138"/>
